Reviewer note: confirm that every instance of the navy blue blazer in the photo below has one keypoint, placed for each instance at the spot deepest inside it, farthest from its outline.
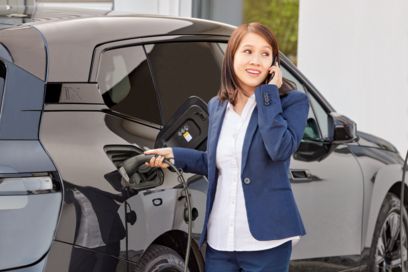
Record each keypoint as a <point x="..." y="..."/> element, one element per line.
<point x="274" y="133"/>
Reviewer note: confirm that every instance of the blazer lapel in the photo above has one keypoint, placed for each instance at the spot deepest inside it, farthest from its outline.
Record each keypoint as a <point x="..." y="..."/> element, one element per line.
<point x="253" y="124"/>
<point x="217" y="118"/>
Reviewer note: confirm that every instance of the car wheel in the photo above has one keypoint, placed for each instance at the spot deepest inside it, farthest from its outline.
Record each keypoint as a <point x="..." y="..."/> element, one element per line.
<point x="385" y="248"/>
<point x="158" y="258"/>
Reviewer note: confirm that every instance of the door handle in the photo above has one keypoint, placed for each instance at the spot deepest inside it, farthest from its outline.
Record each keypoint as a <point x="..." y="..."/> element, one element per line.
<point x="300" y="175"/>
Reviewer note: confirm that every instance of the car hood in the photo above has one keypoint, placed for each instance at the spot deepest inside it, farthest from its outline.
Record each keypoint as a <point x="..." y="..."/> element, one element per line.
<point x="369" y="140"/>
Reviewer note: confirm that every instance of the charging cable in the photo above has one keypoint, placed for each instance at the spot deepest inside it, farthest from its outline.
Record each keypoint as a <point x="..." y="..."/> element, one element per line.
<point x="134" y="164"/>
<point x="404" y="169"/>
<point x="181" y="179"/>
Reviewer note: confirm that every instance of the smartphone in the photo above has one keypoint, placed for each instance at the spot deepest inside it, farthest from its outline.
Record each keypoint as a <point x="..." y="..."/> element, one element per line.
<point x="270" y="76"/>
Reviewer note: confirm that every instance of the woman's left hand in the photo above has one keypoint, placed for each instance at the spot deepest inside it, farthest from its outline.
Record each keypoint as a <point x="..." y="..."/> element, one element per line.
<point x="277" y="78"/>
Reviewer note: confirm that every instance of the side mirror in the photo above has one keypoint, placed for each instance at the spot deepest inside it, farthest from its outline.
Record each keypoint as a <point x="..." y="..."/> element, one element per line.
<point x="313" y="148"/>
<point x="342" y="129"/>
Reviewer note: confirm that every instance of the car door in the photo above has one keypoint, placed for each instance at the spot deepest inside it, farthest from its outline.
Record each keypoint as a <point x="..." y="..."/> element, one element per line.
<point x="328" y="187"/>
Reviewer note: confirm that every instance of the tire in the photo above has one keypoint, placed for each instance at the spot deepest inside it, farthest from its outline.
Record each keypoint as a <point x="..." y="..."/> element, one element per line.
<point x="385" y="248"/>
<point x="158" y="258"/>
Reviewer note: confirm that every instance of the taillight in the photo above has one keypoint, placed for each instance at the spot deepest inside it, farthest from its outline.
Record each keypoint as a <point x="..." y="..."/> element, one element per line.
<point x="29" y="210"/>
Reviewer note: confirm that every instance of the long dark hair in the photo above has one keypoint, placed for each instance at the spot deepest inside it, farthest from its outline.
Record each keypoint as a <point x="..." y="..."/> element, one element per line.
<point x="229" y="81"/>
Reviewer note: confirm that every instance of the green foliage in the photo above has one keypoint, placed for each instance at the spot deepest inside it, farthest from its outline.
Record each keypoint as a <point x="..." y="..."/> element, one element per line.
<point x="281" y="16"/>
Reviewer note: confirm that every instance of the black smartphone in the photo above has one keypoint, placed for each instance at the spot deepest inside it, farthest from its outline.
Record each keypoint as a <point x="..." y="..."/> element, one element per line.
<point x="270" y="76"/>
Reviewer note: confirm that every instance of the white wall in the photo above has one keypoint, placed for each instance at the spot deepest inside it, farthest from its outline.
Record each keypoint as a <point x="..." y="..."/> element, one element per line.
<point x="227" y="11"/>
<point x="88" y="4"/>
<point x="161" y="7"/>
<point x="356" y="53"/>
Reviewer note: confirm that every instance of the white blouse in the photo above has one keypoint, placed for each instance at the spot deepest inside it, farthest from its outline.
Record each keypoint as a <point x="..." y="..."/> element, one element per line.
<point x="228" y="228"/>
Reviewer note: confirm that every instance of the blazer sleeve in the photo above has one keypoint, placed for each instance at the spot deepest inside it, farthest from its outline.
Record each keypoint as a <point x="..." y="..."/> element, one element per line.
<point x="281" y="124"/>
<point x="191" y="160"/>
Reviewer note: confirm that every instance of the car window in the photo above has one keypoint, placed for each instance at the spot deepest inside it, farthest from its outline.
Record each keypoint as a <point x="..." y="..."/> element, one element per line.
<point x="126" y="85"/>
<point x="2" y="79"/>
<point x="184" y="69"/>
<point x="312" y="131"/>
<point x="288" y="76"/>
<point x="321" y="116"/>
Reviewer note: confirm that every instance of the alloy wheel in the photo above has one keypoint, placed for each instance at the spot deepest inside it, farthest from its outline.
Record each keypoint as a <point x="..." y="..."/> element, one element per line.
<point x="388" y="254"/>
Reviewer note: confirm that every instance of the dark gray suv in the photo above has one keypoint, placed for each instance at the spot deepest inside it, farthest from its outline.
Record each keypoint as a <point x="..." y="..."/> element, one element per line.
<point x="82" y="94"/>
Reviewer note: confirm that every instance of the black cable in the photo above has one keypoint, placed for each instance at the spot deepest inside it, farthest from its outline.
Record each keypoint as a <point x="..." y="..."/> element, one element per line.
<point x="127" y="236"/>
<point x="181" y="179"/>
<point x="404" y="169"/>
<point x="133" y="165"/>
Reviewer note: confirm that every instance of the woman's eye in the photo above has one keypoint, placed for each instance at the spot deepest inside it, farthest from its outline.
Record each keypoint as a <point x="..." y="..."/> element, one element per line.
<point x="247" y="51"/>
<point x="266" y="54"/>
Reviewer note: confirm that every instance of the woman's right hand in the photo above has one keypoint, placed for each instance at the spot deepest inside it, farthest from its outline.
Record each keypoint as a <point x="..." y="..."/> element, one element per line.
<point x="162" y="153"/>
<point x="277" y="78"/>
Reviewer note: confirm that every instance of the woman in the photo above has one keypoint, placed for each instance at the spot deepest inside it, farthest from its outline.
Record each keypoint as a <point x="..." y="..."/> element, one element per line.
<point x="251" y="216"/>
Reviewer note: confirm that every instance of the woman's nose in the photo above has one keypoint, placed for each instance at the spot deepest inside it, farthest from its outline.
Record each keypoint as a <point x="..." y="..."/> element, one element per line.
<point x="254" y="59"/>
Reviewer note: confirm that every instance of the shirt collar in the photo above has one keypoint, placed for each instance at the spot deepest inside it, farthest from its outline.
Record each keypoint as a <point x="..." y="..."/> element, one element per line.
<point x="251" y="100"/>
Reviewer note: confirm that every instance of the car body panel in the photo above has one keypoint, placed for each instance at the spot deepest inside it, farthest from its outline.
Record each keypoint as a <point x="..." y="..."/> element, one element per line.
<point x="372" y="160"/>
<point x="333" y="225"/>
<point x="15" y="159"/>
<point x="20" y="118"/>
<point x="32" y="58"/>
<point x="65" y="257"/>
<point x="77" y="142"/>
<point x="385" y="178"/>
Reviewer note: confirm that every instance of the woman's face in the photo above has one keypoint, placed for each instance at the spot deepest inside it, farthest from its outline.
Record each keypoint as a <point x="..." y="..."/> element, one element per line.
<point x="252" y="61"/>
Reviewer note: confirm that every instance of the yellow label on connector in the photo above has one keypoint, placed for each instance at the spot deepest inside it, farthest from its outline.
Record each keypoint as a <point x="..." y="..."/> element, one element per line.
<point x="187" y="136"/>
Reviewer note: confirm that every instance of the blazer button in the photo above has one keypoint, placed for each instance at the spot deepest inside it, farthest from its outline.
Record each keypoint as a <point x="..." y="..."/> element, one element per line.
<point x="267" y="100"/>
<point x="247" y="180"/>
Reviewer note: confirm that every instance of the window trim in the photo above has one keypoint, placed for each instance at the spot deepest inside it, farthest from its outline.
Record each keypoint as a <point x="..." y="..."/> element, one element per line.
<point x="314" y="114"/>
<point x="156" y="89"/>
<point x="3" y="74"/>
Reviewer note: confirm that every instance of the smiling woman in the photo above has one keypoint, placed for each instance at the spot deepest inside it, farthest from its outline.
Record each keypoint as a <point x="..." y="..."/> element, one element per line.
<point x="253" y="131"/>
<point x="252" y="61"/>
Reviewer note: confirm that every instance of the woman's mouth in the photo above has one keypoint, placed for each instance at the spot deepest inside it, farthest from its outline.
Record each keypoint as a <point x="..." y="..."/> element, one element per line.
<point x="253" y="72"/>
